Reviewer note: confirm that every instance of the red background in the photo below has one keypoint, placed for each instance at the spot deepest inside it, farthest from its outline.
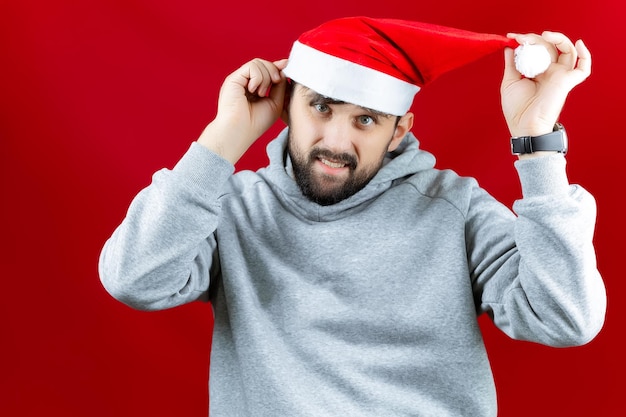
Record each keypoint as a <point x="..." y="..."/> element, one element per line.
<point x="96" y="96"/>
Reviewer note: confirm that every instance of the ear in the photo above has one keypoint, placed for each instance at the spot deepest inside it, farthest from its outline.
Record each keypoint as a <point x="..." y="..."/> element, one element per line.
<point x="402" y="128"/>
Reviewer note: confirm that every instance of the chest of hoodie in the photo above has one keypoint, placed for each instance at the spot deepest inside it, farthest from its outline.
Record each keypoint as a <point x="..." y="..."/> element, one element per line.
<point x="400" y="256"/>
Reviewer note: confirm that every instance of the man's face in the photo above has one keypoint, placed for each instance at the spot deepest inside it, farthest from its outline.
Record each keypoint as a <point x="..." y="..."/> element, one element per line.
<point x="336" y="148"/>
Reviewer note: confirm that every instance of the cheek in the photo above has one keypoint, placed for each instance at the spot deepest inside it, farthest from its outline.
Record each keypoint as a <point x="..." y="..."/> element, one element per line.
<point x="299" y="145"/>
<point x="304" y="134"/>
<point x="371" y="155"/>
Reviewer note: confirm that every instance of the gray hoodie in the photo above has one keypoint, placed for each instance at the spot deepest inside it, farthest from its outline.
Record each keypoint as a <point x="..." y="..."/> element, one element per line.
<point x="367" y="307"/>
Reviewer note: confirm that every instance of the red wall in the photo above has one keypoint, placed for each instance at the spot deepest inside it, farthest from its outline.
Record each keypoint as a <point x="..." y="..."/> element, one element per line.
<point x="96" y="96"/>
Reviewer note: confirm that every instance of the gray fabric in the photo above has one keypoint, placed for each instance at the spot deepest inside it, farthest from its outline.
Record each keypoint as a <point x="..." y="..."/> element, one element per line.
<point x="367" y="307"/>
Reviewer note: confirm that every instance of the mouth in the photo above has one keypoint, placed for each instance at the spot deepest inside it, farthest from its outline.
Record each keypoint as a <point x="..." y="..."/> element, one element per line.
<point x="332" y="164"/>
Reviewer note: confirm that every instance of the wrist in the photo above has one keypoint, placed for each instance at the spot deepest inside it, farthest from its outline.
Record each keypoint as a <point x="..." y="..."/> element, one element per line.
<point x="224" y="141"/>
<point x="540" y="145"/>
<point x="537" y="130"/>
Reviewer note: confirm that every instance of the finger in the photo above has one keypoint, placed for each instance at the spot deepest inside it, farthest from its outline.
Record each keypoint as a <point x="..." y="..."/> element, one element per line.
<point x="277" y="78"/>
<point x="584" y="57"/>
<point x="259" y="77"/>
<point x="568" y="54"/>
<point x="277" y="93"/>
<point x="534" y="39"/>
<point x="273" y="75"/>
<point x="510" y="73"/>
<point x="583" y="67"/>
<point x="281" y="64"/>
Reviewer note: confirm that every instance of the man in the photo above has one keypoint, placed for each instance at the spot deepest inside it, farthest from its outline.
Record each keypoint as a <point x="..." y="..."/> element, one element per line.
<point x="346" y="277"/>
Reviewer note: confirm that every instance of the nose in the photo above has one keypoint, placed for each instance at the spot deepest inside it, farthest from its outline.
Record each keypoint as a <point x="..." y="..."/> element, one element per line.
<point x="337" y="136"/>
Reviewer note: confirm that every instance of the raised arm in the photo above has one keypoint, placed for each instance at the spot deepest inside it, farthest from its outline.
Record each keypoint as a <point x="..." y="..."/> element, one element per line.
<point x="163" y="254"/>
<point x="538" y="278"/>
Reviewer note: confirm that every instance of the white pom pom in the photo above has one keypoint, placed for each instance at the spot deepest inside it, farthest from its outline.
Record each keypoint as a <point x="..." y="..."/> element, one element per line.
<point x="532" y="60"/>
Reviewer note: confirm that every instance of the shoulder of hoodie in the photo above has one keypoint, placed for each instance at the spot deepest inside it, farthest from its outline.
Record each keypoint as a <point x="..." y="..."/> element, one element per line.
<point x="242" y="182"/>
<point x="444" y="184"/>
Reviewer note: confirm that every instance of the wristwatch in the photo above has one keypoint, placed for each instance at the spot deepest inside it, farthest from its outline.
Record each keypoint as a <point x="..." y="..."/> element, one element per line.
<point x="553" y="141"/>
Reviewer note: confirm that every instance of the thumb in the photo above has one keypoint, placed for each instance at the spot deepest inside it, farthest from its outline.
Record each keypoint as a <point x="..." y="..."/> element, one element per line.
<point x="277" y="92"/>
<point x="510" y="72"/>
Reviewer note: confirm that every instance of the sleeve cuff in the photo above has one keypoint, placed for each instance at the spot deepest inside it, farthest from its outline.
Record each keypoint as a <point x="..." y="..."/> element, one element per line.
<point x="543" y="175"/>
<point x="203" y="169"/>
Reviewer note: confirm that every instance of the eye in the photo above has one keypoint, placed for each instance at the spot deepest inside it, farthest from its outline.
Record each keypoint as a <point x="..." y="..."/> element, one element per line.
<point x="321" y="107"/>
<point x="366" y="120"/>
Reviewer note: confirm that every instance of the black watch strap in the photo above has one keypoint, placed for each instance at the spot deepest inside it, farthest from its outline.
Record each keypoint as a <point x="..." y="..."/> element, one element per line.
<point x="553" y="141"/>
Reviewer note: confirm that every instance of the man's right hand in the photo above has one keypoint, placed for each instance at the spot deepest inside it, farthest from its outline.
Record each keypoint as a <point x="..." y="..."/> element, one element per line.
<point x="251" y="100"/>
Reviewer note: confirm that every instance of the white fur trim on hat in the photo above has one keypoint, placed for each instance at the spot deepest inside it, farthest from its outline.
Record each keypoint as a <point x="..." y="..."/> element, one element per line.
<point x="350" y="82"/>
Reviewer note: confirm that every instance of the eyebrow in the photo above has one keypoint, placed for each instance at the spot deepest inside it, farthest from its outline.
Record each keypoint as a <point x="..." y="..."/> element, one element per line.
<point x="315" y="97"/>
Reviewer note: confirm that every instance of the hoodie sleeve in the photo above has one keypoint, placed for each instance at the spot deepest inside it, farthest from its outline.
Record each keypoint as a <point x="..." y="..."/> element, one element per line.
<point x="162" y="254"/>
<point x="539" y="281"/>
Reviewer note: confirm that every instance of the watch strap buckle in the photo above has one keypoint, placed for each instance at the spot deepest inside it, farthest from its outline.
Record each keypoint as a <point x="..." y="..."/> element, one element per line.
<point x="521" y="145"/>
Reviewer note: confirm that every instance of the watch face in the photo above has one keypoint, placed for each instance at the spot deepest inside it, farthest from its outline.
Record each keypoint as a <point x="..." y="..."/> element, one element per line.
<point x="558" y="127"/>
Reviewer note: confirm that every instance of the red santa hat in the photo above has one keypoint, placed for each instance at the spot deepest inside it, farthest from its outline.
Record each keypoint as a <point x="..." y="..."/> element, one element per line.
<point x="382" y="63"/>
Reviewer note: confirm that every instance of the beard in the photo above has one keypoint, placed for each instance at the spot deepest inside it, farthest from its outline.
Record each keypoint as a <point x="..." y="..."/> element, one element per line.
<point x="325" y="189"/>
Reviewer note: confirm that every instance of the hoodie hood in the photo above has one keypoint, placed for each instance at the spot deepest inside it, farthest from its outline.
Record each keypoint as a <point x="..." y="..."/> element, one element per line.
<point x="405" y="161"/>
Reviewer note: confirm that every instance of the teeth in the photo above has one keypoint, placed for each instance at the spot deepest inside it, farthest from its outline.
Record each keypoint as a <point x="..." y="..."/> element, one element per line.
<point x="332" y="164"/>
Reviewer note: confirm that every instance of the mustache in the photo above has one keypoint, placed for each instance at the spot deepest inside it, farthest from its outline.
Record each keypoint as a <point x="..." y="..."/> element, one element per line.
<point x="343" y="158"/>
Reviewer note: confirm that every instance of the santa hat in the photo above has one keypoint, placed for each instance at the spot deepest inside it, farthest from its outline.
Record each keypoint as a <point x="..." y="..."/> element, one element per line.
<point x="382" y="63"/>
